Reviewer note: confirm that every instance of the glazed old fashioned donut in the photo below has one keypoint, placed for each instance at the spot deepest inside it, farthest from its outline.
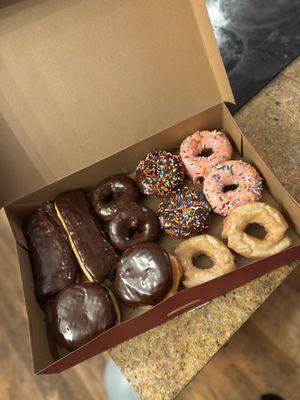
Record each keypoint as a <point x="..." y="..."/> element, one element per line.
<point x="159" y="173"/>
<point x="231" y="184"/>
<point x="133" y="224"/>
<point x="184" y="213"/>
<point x="211" y="246"/>
<point x="203" y="150"/>
<point x="250" y="246"/>
<point x="112" y="193"/>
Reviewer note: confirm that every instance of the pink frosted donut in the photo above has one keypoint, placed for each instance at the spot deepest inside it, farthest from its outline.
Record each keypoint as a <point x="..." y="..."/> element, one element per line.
<point x="231" y="184"/>
<point x="203" y="150"/>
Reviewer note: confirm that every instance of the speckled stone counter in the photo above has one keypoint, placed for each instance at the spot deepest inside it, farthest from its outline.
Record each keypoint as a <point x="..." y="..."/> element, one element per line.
<point x="161" y="362"/>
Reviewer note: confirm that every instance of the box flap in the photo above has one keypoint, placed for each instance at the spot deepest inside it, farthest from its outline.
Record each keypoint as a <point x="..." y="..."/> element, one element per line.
<point x="81" y="80"/>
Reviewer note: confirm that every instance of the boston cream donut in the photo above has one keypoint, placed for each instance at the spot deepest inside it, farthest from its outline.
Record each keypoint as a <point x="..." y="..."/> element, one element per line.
<point x="203" y="150"/>
<point x="231" y="184"/>
<point x="81" y="312"/>
<point x="247" y="245"/>
<point x="159" y="173"/>
<point x="95" y="254"/>
<point x="211" y="246"/>
<point x="112" y="193"/>
<point x="144" y="275"/>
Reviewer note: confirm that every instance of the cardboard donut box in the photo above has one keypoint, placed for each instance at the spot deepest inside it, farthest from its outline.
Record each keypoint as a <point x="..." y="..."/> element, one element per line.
<point x="87" y="88"/>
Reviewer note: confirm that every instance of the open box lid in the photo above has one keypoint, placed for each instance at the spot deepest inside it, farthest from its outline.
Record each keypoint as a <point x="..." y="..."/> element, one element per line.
<point x="82" y="80"/>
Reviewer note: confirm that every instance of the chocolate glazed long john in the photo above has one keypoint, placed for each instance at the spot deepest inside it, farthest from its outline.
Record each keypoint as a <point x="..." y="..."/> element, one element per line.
<point x="96" y="256"/>
<point x="53" y="262"/>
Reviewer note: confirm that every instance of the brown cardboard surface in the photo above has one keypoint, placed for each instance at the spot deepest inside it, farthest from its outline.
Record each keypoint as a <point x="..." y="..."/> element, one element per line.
<point x="82" y="80"/>
<point x="47" y="359"/>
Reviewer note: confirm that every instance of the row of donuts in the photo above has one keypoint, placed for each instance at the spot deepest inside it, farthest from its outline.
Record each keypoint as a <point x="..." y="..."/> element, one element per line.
<point x="205" y="156"/>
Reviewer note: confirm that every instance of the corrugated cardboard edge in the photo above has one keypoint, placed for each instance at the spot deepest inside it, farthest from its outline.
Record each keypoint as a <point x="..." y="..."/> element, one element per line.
<point x="212" y="50"/>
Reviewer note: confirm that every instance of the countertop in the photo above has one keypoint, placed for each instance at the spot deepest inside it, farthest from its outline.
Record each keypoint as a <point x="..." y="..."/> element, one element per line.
<point x="161" y="362"/>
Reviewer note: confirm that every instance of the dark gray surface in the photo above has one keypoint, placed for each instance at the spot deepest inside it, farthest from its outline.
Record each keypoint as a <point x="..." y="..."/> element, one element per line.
<point x="257" y="40"/>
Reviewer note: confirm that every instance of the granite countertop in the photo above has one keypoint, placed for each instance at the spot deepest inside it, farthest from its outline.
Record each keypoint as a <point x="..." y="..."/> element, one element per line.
<point x="161" y="362"/>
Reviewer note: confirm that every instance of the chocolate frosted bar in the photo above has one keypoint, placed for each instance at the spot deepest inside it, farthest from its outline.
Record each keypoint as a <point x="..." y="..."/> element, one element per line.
<point x="96" y="256"/>
<point x="53" y="263"/>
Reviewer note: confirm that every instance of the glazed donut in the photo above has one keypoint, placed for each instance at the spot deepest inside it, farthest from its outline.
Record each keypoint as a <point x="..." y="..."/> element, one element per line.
<point x="133" y="224"/>
<point x="247" y="245"/>
<point x="184" y="213"/>
<point x="143" y="275"/>
<point x="230" y="184"/>
<point x="112" y="193"/>
<point x="159" y="173"/>
<point x="211" y="246"/>
<point x="203" y="150"/>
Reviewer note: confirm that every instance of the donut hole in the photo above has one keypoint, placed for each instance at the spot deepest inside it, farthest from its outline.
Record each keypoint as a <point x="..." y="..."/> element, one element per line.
<point x="256" y="230"/>
<point x="107" y="197"/>
<point x="202" y="261"/>
<point x="228" y="188"/>
<point x="206" y="152"/>
<point x="132" y="231"/>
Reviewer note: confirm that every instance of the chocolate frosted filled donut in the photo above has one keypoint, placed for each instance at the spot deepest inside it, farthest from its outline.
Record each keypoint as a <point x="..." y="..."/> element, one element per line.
<point x="184" y="213"/>
<point x="133" y="224"/>
<point x="112" y="193"/>
<point x="81" y="312"/>
<point x="53" y="263"/>
<point x="143" y="275"/>
<point x="159" y="173"/>
<point x="94" y="252"/>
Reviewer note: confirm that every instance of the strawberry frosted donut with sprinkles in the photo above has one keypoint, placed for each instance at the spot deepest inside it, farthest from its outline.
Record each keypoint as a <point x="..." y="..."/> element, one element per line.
<point x="231" y="184"/>
<point x="203" y="150"/>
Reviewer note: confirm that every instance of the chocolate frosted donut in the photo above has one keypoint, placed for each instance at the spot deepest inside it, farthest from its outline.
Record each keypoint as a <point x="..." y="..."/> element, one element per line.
<point x="112" y="193"/>
<point x="53" y="263"/>
<point x="143" y="275"/>
<point x="184" y="213"/>
<point x="132" y="225"/>
<point x="81" y="312"/>
<point x="159" y="173"/>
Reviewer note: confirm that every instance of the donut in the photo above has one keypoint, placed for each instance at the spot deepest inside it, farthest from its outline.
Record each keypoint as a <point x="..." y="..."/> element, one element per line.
<point x="230" y="184"/>
<point x="203" y="150"/>
<point x="112" y="193"/>
<point x="81" y="312"/>
<point x="184" y="213"/>
<point x="143" y="275"/>
<point x="95" y="254"/>
<point x="223" y="259"/>
<point x="249" y="246"/>
<point x="133" y="224"/>
<point x="159" y="173"/>
<point x="54" y="265"/>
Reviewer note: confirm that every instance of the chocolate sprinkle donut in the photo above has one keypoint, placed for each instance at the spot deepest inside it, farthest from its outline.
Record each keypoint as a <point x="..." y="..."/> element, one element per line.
<point x="184" y="213"/>
<point x="159" y="173"/>
<point x="132" y="225"/>
<point x="112" y="193"/>
<point x="80" y="313"/>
